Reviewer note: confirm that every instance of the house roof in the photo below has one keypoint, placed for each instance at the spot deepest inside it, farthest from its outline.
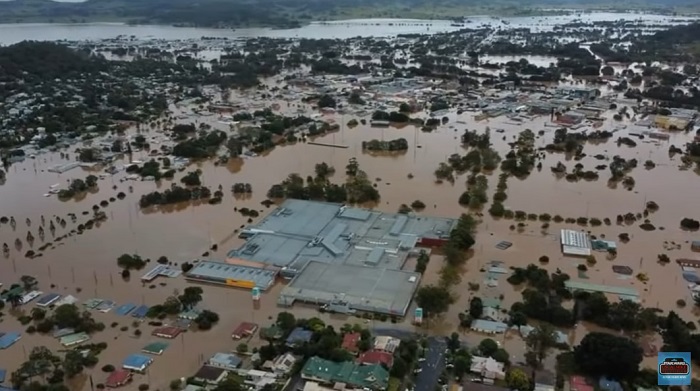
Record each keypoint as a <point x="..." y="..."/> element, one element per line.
<point x="350" y="341"/>
<point x="579" y="383"/>
<point x="225" y="360"/>
<point x="245" y="329"/>
<point x="117" y="378"/>
<point x="387" y="343"/>
<point x="369" y="376"/>
<point x="376" y="357"/>
<point x="209" y="373"/>
<point x="299" y="335"/>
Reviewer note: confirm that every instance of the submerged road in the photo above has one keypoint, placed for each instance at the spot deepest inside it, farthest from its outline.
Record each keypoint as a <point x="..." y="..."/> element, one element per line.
<point x="432" y="367"/>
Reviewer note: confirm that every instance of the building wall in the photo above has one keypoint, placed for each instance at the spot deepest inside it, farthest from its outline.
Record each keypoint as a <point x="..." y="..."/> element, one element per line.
<point x="431" y="242"/>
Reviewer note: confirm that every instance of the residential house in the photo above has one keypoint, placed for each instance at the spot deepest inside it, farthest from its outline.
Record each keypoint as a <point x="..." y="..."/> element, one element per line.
<point x="578" y="383"/>
<point x="491" y="314"/>
<point x="282" y="364"/>
<point x="273" y="332"/>
<point x="353" y="375"/>
<point x="350" y="341"/>
<point x="210" y="375"/>
<point x="118" y="378"/>
<point x="488" y="327"/>
<point x="226" y="361"/>
<point x="374" y="357"/>
<point x="299" y="336"/>
<point x="257" y="380"/>
<point x="386" y="343"/>
<point x="488" y="368"/>
<point x="244" y="330"/>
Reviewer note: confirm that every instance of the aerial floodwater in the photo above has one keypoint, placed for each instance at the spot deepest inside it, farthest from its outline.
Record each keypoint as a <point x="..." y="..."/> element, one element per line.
<point x="179" y="145"/>
<point x="13" y="33"/>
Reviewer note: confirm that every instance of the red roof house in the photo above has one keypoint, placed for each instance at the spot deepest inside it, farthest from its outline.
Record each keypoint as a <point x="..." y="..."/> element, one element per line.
<point x="168" y="332"/>
<point x="118" y="378"/>
<point x="350" y="341"/>
<point x="244" y="330"/>
<point x="578" y="383"/>
<point x="378" y="357"/>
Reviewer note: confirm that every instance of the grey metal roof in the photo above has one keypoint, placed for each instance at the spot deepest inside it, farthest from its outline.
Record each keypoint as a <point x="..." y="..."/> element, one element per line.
<point x="220" y="271"/>
<point x="370" y="289"/>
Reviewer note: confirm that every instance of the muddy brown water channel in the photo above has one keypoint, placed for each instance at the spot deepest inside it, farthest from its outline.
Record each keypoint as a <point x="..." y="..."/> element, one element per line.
<point x="183" y="232"/>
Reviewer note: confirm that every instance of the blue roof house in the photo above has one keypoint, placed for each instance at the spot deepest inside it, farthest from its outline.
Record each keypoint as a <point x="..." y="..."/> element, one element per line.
<point x="606" y="384"/>
<point x="299" y="336"/>
<point x="137" y="362"/>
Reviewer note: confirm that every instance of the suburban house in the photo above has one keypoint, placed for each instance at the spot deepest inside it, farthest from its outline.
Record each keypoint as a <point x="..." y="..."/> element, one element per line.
<point x="488" y="368"/>
<point x="244" y="330"/>
<point x="299" y="336"/>
<point x="118" y="378"/>
<point x="352" y="375"/>
<point x="257" y="380"/>
<point x="225" y="361"/>
<point x="386" y="343"/>
<point x="492" y="314"/>
<point x="376" y="357"/>
<point x="282" y="364"/>
<point x="488" y="326"/>
<point x="350" y="341"/>
<point x="210" y="375"/>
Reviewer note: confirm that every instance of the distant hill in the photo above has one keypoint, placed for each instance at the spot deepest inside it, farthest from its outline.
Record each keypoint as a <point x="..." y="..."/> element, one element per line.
<point x="290" y="13"/>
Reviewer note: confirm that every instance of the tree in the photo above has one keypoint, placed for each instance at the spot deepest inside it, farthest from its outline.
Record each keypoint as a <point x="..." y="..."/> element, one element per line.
<point x="404" y="107"/>
<point x="73" y="363"/>
<point x="488" y="347"/>
<point x="461" y="363"/>
<point x="191" y="296"/>
<point x="286" y="321"/>
<point x="399" y="369"/>
<point x="517" y="318"/>
<point x="242" y="348"/>
<point x="476" y="308"/>
<point x="129" y="262"/>
<point x="607" y="70"/>
<point x="517" y="380"/>
<point x="453" y="343"/>
<point x="326" y="101"/>
<point x="38" y="314"/>
<point x="172" y="305"/>
<point x="191" y="179"/>
<point x="14" y="299"/>
<point x="540" y="340"/>
<point x="433" y="299"/>
<point x="231" y="383"/>
<point x="206" y="319"/>
<point x="235" y="147"/>
<point x="602" y="354"/>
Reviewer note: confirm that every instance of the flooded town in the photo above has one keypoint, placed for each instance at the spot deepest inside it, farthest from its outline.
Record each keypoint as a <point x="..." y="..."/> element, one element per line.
<point x="487" y="204"/>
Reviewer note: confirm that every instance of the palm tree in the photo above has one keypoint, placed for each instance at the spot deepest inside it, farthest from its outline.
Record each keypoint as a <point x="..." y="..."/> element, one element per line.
<point x="14" y="299"/>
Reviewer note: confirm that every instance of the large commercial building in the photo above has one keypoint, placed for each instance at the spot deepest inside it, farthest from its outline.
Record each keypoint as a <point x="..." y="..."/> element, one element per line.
<point x="332" y="252"/>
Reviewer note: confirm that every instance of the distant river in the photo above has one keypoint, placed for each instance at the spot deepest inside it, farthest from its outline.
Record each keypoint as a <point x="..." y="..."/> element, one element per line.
<point x="13" y="33"/>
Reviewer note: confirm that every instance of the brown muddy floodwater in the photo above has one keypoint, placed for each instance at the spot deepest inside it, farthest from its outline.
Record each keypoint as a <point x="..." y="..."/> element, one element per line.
<point x="184" y="232"/>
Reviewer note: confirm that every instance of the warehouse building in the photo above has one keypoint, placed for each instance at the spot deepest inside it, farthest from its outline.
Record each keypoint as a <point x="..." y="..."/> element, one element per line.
<point x="575" y="243"/>
<point x="236" y="276"/>
<point x="318" y="244"/>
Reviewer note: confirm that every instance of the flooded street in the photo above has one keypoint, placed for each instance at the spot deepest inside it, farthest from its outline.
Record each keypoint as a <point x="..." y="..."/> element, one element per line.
<point x="184" y="232"/>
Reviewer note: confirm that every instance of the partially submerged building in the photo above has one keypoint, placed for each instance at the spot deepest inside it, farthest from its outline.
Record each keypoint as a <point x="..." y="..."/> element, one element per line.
<point x="576" y="243"/>
<point x="318" y="244"/>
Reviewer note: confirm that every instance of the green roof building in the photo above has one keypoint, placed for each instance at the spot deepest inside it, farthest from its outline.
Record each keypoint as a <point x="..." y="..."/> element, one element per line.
<point x="374" y="377"/>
